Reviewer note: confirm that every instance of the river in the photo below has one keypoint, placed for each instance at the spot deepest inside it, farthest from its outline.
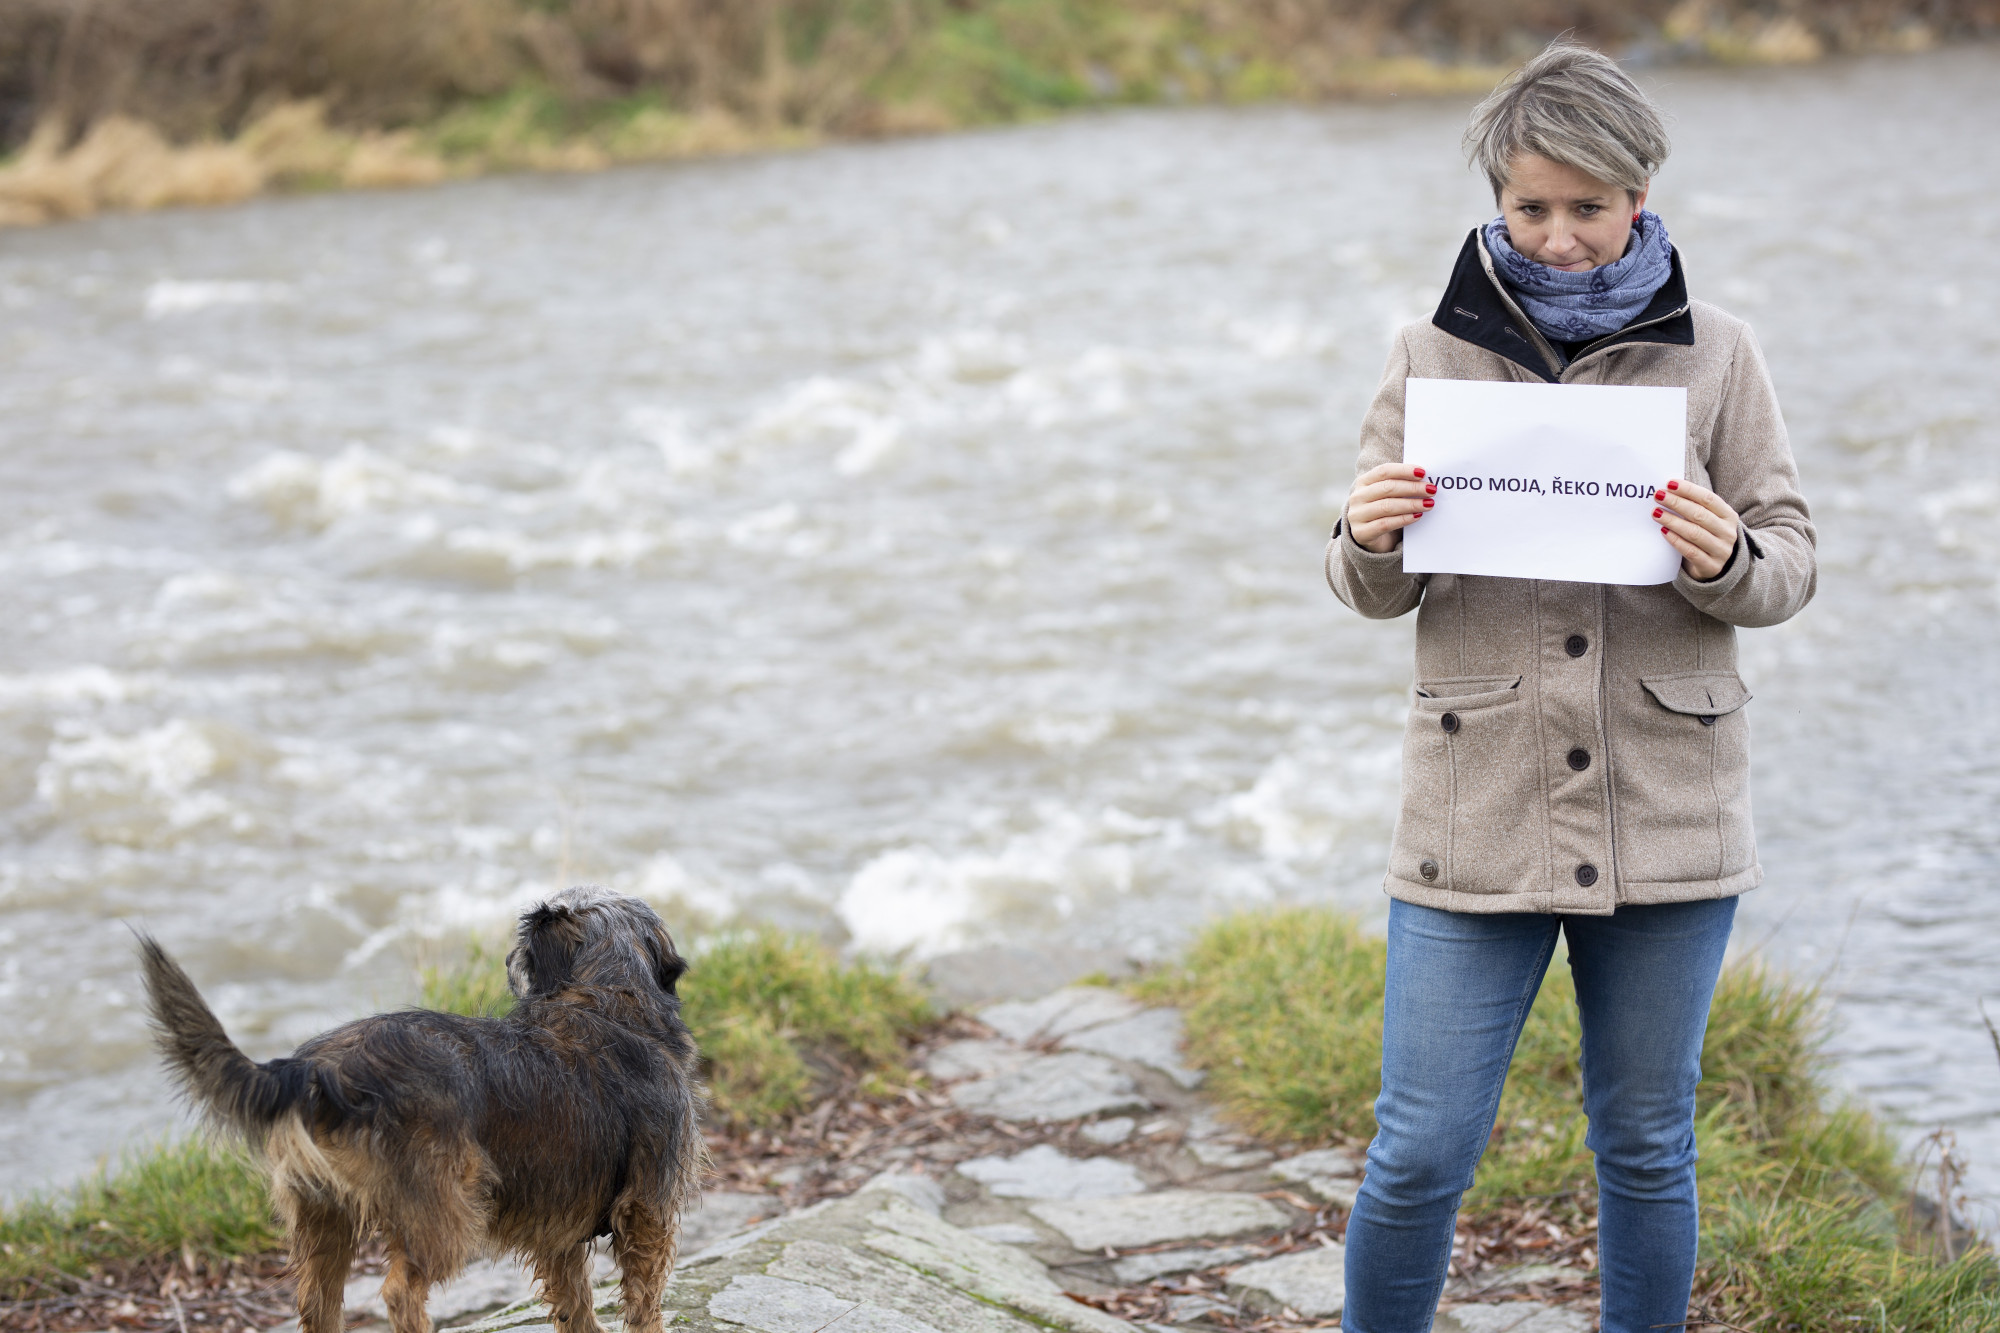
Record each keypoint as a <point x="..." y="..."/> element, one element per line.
<point x="916" y="542"/>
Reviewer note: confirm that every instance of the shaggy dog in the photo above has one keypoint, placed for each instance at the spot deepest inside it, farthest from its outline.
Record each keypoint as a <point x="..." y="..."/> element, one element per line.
<point x="572" y="1117"/>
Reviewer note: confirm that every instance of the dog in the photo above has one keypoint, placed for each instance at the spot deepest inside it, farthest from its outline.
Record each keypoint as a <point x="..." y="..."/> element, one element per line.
<point x="573" y="1117"/>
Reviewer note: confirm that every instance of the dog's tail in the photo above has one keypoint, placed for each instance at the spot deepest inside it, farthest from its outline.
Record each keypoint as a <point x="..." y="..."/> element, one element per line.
<point x="232" y="1089"/>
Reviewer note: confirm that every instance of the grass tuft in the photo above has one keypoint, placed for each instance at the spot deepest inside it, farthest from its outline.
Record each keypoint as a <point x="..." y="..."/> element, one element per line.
<point x="189" y="1197"/>
<point x="1805" y="1227"/>
<point x="779" y="1018"/>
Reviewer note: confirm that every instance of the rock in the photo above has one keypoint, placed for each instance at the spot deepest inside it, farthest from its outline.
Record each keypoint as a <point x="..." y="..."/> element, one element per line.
<point x="990" y="1272"/>
<point x="1042" y="1172"/>
<point x="1153" y="1219"/>
<point x="775" y="1305"/>
<point x="1068" y="1010"/>
<point x="1332" y="1175"/>
<point x="1052" y="1087"/>
<point x="1108" y="1132"/>
<point x="1311" y="1282"/>
<point x="853" y="1273"/>
<point x="1151" y="1037"/>
<point x="975" y="1058"/>
<point x="724" y="1213"/>
<point x="873" y="1262"/>
<point x="1182" y="1309"/>
<point x="1007" y="1233"/>
<point x="1137" y="1268"/>
<point x="1227" y="1156"/>
<point x="1514" y="1317"/>
<point x="1206" y="1124"/>
<point x="1320" y="1162"/>
<point x="486" y="1284"/>
<point x="922" y="1191"/>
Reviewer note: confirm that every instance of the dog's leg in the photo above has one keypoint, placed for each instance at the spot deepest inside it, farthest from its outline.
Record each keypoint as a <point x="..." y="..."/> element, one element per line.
<point x="564" y="1273"/>
<point x="323" y="1238"/>
<point x="644" y="1241"/>
<point x="406" y="1291"/>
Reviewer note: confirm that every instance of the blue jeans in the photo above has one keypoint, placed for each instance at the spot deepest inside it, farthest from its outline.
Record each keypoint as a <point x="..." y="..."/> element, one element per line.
<point x="1460" y="986"/>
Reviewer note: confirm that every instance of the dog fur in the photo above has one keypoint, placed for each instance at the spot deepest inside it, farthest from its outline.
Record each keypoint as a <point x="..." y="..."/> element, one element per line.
<point x="575" y="1116"/>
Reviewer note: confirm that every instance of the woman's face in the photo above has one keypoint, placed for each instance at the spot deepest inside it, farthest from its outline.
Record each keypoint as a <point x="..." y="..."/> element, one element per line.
<point x="1556" y="215"/>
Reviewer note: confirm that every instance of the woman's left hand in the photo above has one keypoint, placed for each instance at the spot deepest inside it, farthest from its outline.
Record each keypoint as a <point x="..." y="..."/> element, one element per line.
<point x="1699" y="524"/>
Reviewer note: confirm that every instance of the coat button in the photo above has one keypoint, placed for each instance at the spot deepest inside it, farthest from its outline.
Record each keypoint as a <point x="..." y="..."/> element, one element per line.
<point x="1586" y="874"/>
<point x="1576" y="645"/>
<point x="1579" y="759"/>
<point x="1449" y="722"/>
<point x="1428" y="869"/>
<point x="1707" y="721"/>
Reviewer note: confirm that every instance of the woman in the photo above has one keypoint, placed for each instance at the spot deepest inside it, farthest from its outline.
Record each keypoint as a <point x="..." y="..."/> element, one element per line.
<point x="1577" y="759"/>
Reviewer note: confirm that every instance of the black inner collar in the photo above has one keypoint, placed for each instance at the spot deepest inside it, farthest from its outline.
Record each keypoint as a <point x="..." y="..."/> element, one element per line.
<point x="1472" y="310"/>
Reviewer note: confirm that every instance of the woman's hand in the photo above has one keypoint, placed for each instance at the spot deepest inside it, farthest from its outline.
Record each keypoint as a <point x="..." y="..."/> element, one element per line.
<point x="1384" y="501"/>
<point x="1699" y="524"/>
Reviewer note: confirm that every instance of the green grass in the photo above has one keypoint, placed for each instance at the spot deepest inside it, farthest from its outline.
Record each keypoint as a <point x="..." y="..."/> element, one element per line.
<point x="1801" y="1195"/>
<point x="778" y="1018"/>
<point x="187" y="1197"/>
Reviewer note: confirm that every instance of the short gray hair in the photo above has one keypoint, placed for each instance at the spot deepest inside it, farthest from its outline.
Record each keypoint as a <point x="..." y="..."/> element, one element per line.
<point x="1572" y="105"/>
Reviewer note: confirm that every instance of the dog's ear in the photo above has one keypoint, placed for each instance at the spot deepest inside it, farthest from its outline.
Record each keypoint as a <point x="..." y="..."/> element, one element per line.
<point x="544" y="950"/>
<point x="668" y="965"/>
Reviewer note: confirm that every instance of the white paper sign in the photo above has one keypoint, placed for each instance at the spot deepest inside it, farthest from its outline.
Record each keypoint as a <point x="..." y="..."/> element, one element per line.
<point x="1543" y="481"/>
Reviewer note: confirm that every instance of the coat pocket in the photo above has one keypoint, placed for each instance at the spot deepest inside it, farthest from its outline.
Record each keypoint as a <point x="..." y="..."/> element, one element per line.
<point x="1466" y="796"/>
<point x="1682" y="778"/>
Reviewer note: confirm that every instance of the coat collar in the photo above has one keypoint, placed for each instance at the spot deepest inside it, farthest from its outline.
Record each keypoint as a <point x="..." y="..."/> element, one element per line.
<point x="1478" y="309"/>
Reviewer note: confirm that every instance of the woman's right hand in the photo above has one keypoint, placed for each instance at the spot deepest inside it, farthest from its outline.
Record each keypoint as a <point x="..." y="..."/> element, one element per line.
<point x="1384" y="501"/>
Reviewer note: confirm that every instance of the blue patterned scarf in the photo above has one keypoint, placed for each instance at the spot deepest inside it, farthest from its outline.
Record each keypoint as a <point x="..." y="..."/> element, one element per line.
<point x="1572" y="307"/>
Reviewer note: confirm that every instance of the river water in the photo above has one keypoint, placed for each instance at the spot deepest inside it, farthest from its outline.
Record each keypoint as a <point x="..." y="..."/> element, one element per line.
<point x="916" y="542"/>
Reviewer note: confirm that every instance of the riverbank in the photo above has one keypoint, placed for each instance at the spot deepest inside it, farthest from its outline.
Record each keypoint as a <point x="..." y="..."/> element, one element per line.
<point x="1254" y="1054"/>
<point x="134" y="104"/>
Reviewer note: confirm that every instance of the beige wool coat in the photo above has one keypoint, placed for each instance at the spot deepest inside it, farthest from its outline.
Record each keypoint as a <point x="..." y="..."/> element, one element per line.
<point x="1574" y="747"/>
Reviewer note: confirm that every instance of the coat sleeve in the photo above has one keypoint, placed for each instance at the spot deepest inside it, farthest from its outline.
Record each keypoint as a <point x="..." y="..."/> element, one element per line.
<point x="1774" y="570"/>
<point x="1375" y="585"/>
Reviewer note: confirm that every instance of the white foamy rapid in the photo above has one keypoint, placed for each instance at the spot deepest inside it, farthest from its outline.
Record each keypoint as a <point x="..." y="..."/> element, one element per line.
<point x="916" y="543"/>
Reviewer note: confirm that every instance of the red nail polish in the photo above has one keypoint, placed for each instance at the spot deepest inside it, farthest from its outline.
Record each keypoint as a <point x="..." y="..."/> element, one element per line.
<point x="1659" y="495"/>
<point x="1430" y="489"/>
<point x="1429" y="503"/>
<point x="1656" y="513"/>
<point x="1416" y="472"/>
<point x="1665" y="533"/>
<point x="1673" y="485"/>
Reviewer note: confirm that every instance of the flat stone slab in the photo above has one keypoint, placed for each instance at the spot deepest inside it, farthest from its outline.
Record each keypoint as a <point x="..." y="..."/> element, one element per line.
<point x="1310" y="1282"/>
<point x="1007" y="1233"/>
<point x="1066" y="1086"/>
<point x="776" y="1305"/>
<point x="1043" y="1172"/>
<point x="1153" y="1219"/>
<point x="978" y="1057"/>
<point x="1332" y="1175"/>
<point x="1227" y="1156"/>
<point x="1068" y="1010"/>
<point x="486" y="1284"/>
<point x="877" y="1261"/>
<point x="1319" y="1162"/>
<point x="1137" y="1268"/>
<point x="1115" y="1130"/>
<point x="1514" y="1317"/>
<point x="1186" y="1309"/>
<point x="1151" y="1037"/>
<point x="724" y="1213"/>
